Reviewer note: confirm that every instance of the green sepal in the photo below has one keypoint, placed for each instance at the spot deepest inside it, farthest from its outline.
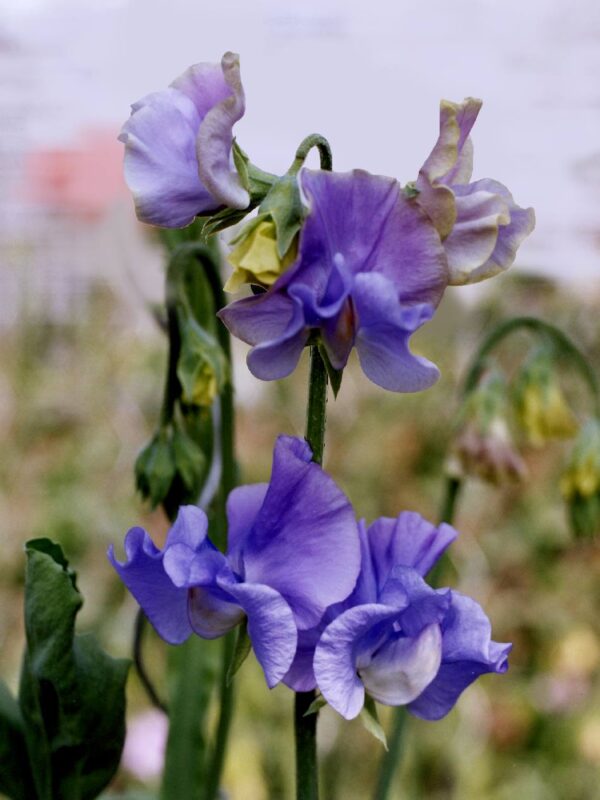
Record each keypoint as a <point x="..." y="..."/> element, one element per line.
<point x="155" y="469"/>
<point x="335" y="375"/>
<point x="256" y="181"/>
<point x="317" y="704"/>
<point x="284" y="204"/>
<point x="72" y="695"/>
<point x="15" y="773"/>
<point x="411" y="191"/>
<point x="370" y="720"/>
<point x="243" y="646"/>
<point x="225" y="218"/>
<point x="190" y="461"/>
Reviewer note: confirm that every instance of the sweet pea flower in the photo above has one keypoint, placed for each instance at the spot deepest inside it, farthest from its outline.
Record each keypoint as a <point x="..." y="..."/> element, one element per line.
<point x="397" y="638"/>
<point x="178" y="146"/>
<point x="370" y="270"/>
<point x="480" y="224"/>
<point x="293" y="551"/>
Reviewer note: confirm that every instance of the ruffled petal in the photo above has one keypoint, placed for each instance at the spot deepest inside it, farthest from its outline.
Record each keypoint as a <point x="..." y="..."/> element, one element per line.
<point x="304" y="542"/>
<point x="335" y="661"/>
<point x="301" y="675"/>
<point x="243" y="505"/>
<point x="489" y="229"/>
<point x="271" y="627"/>
<point x="213" y="145"/>
<point x="403" y="667"/>
<point x="426" y="606"/>
<point x="521" y="222"/>
<point x="451" y="160"/>
<point x="161" y="168"/>
<point x="143" y="573"/>
<point x="213" y="612"/>
<point x="384" y="328"/>
<point x="274" y="324"/>
<point x="408" y="540"/>
<point x="467" y="652"/>
<point x="365" y="223"/>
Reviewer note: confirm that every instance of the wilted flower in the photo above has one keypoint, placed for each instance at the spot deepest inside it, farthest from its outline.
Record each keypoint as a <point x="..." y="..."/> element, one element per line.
<point x="580" y="483"/>
<point x="370" y="270"/>
<point x="397" y="638"/>
<point x="484" y="446"/>
<point x="542" y="409"/>
<point x="480" y="224"/>
<point x="293" y="551"/>
<point x="178" y="142"/>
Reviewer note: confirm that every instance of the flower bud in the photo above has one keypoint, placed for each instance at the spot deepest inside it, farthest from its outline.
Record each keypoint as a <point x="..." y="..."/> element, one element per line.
<point x="256" y="258"/>
<point x="484" y="447"/>
<point x="580" y="483"/>
<point x="541" y="407"/>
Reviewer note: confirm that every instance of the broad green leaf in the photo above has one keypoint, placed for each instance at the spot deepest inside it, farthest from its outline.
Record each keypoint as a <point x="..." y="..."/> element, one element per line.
<point x="15" y="773"/>
<point x="370" y="719"/>
<point x="72" y="695"/>
<point x="243" y="646"/>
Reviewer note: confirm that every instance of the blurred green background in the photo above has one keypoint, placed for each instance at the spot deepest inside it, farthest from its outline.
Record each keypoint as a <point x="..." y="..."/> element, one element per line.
<point x="78" y="399"/>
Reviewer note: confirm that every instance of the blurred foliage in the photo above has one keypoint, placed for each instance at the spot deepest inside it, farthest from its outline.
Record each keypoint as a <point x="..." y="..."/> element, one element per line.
<point x="78" y="401"/>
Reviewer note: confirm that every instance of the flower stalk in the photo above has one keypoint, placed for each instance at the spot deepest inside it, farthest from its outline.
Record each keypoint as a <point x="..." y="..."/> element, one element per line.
<point x="305" y="726"/>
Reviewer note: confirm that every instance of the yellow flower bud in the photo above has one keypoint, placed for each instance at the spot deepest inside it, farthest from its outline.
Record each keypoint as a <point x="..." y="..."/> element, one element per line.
<point x="205" y="387"/>
<point x="256" y="259"/>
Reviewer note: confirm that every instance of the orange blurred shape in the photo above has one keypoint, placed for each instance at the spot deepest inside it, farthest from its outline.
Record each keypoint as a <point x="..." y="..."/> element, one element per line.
<point x="84" y="181"/>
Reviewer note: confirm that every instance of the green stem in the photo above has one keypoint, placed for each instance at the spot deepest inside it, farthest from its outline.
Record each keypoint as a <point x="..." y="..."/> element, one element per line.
<point x="448" y="509"/>
<point x="304" y="148"/>
<point x="305" y="727"/>
<point x="390" y="760"/>
<point x="564" y="346"/>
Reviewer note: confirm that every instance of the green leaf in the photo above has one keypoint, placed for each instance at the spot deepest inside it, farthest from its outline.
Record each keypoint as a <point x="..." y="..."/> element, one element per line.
<point x="243" y="646"/>
<point x="317" y="704"/>
<point x="370" y="720"/>
<point x="335" y="375"/>
<point x="190" y="461"/>
<point x="72" y="695"/>
<point x="15" y="772"/>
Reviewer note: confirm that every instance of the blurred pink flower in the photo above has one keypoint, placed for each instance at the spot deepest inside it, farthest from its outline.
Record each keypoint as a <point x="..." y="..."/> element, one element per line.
<point x="144" y="751"/>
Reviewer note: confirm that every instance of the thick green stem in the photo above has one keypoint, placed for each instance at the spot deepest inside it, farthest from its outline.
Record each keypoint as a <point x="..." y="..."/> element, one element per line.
<point x="305" y="727"/>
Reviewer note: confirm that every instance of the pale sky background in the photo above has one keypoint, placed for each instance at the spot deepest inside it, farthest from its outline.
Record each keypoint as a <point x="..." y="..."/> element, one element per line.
<point x="368" y="74"/>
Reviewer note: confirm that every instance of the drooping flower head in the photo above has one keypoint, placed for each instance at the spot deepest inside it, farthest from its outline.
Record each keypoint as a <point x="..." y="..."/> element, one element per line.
<point x="397" y="638"/>
<point x="178" y="146"/>
<point x="293" y="551"/>
<point x="479" y="223"/>
<point x="370" y="270"/>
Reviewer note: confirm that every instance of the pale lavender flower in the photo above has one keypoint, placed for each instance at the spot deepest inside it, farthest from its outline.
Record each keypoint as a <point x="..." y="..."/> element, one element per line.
<point x="178" y="146"/>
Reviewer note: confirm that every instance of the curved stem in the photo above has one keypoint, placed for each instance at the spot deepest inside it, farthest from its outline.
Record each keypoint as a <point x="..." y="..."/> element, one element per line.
<point x="304" y="148"/>
<point x="305" y="727"/>
<point x="564" y="346"/>
<point x="145" y="680"/>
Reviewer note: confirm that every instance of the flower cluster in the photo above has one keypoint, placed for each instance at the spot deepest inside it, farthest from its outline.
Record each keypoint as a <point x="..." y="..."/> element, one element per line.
<point x="350" y="259"/>
<point x="328" y="602"/>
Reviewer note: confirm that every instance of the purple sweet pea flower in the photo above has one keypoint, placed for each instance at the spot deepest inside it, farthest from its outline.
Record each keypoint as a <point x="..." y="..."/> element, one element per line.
<point x="480" y="224"/>
<point x="293" y="552"/>
<point x="370" y="270"/>
<point x="397" y="638"/>
<point x="178" y="146"/>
